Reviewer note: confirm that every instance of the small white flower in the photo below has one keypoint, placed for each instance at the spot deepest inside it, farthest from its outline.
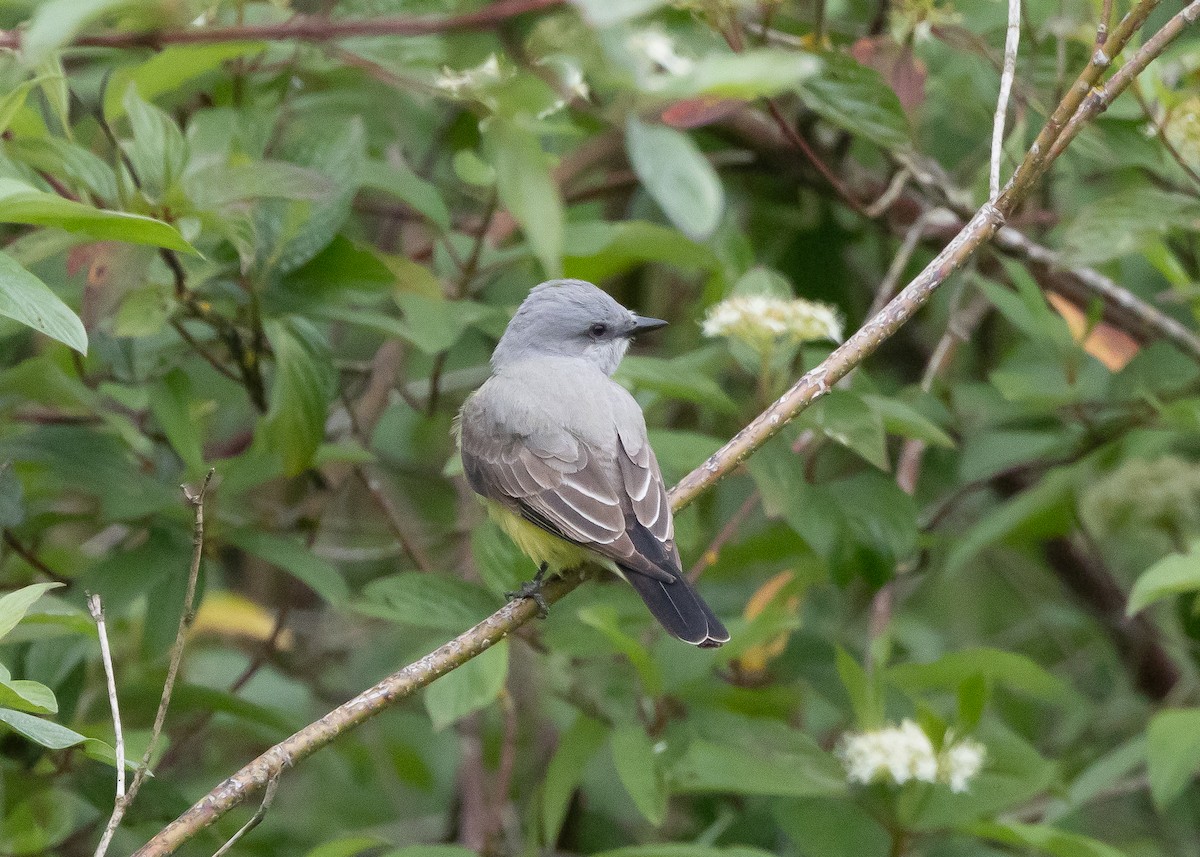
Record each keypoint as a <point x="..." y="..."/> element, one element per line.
<point x="455" y="82"/>
<point x="761" y="320"/>
<point x="902" y="753"/>
<point x="960" y="763"/>
<point x="655" y="51"/>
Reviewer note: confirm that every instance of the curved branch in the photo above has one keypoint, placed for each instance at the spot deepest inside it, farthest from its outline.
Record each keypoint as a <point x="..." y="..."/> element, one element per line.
<point x="308" y="28"/>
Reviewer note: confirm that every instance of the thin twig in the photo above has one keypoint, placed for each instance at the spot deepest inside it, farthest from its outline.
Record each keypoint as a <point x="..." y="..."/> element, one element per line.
<point x="196" y="500"/>
<point x="1102" y="27"/>
<point x="1161" y="132"/>
<point x="308" y="28"/>
<point x="27" y="554"/>
<point x="713" y="552"/>
<point x="886" y="199"/>
<point x="891" y="280"/>
<point x="259" y="814"/>
<point x="797" y="140"/>
<point x="1011" y="40"/>
<point x="97" y="611"/>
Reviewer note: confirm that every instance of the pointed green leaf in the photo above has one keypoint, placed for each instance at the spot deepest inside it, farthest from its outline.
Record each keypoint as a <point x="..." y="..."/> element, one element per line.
<point x="1172" y="753"/>
<point x="468" y="688"/>
<point x="25" y="298"/>
<point x="528" y="191"/>
<point x="15" y="605"/>
<point x="1173" y="575"/>
<point x="675" y="172"/>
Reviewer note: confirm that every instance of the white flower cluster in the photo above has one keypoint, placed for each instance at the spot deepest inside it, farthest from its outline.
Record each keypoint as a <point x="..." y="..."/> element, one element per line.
<point x="456" y="82"/>
<point x="902" y="753"/>
<point x="764" y="319"/>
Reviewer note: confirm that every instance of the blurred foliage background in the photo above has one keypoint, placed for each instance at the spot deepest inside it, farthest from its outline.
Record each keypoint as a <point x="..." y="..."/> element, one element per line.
<point x="288" y="259"/>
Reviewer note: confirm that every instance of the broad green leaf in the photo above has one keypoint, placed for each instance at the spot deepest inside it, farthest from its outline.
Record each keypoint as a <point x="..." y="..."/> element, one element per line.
<point x="25" y="298"/>
<point x="831" y="827"/>
<point x="1172" y="753"/>
<point x="1103" y="773"/>
<point x="48" y="734"/>
<point x="1173" y="575"/>
<point x="30" y="696"/>
<point x="865" y="697"/>
<point x="21" y="203"/>
<point x="426" y="600"/>
<point x="846" y="419"/>
<point x="1044" y="838"/>
<point x="40" y="819"/>
<point x="400" y="181"/>
<point x="436" y="324"/>
<point x="301" y="389"/>
<point x="636" y="763"/>
<point x="904" y="420"/>
<point x="15" y="605"/>
<point x="676" y="379"/>
<point x="675" y="172"/>
<point x="576" y="747"/>
<point x="1124" y="222"/>
<point x="597" y="250"/>
<point x="528" y="191"/>
<point x="683" y="849"/>
<point x="856" y="98"/>
<point x="751" y="74"/>
<point x="218" y="185"/>
<point x="168" y="69"/>
<point x="468" y="688"/>
<point x="708" y="766"/>
<point x="948" y="672"/>
<point x="14" y="100"/>
<point x="158" y="152"/>
<point x="290" y="555"/>
<point x="808" y="509"/>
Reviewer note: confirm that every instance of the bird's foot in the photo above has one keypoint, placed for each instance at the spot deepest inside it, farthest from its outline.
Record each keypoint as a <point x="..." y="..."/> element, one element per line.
<point x="533" y="589"/>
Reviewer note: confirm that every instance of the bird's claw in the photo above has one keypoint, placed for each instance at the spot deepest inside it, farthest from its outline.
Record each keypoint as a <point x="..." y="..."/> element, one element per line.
<point x="533" y="589"/>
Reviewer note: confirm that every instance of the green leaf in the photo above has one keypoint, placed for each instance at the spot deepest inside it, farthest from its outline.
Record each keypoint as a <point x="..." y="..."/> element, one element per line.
<point x="708" y="766"/>
<point x="864" y="696"/>
<point x="679" y="378"/>
<point x="751" y="74"/>
<point x="14" y="100"/>
<point x="675" y="172"/>
<point x="57" y="22"/>
<point x="400" y="181"/>
<point x="300" y="392"/>
<point x="636" y="763"/>
<point x="44" y="732"/>
<point x="831" y="827"/>
<point x="528" y="191"/>
<point x="159" y="152"/>
<point x="25" y="298"/>
<point x="216" y="186"/>
<point x="171" y="401"/>
<point x="21" y="203"/>
<point x="1044" y="838"/>
<point x="15" y="605"/>
<point x="597" y="250"/>
<point x="575" y="747"/>
<point x="903" y="420"/>
<point x="436" y="324"/>
<point x="682" y="849"/>
<point x="1172" y="753"/>
<point x="168" y="69"/>
<point x="290" y="555"/>
<point x="1102" y="774"/>
<point x="1125" y="222"/>
<point x="948" y="672"/>
<point x="31" y="696"/>
<point x="846" y="419"/>
<point x="1047" y="509"/>
<point x="1173" y="575"/>
<point x="469" y="687"/>
<point x="856" y="98"/>
<point x="426" y="600"/>
<point x="604" y="619"/>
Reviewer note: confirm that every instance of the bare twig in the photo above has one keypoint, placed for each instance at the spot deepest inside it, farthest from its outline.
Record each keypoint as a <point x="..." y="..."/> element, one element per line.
<point x="97" y="611"/>
<point x="713" y="552"/>
<point x="268" y="798"/>
<point x="1161" y="131"/>
<point x="1011" y="40"/>
<point x="891" y="279"/>
<point x="196" y="500"/>
<point x="308" y="28"/>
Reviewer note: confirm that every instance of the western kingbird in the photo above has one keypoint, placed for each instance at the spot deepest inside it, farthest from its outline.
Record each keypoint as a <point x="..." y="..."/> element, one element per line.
<point x="558" y="450"/>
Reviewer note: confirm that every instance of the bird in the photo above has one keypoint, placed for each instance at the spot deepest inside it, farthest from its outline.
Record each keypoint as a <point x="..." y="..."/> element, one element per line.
<point x="559" y="454"/>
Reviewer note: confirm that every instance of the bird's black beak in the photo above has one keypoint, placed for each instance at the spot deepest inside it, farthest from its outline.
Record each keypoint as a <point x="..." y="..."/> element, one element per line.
<point x="645" y="325"/>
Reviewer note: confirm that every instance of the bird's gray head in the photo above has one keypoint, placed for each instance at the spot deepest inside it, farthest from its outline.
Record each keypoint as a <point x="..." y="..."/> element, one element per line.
<point x="571" y="318"/>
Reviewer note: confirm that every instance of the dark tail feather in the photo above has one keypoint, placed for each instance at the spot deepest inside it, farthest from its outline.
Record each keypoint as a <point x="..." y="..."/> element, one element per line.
<point x="680" y="609"/>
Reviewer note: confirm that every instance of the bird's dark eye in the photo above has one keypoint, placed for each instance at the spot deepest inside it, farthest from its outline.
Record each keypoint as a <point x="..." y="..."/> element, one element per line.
<point x="598" y="329"/>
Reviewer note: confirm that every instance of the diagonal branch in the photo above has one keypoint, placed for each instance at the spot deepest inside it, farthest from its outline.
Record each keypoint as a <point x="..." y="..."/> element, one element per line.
<point x="308" y="28"/>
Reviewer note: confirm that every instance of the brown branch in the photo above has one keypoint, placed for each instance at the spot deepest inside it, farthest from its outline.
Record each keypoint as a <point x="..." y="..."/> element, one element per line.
<point x="196" y="500"/>
<point x="308" y="28"/>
